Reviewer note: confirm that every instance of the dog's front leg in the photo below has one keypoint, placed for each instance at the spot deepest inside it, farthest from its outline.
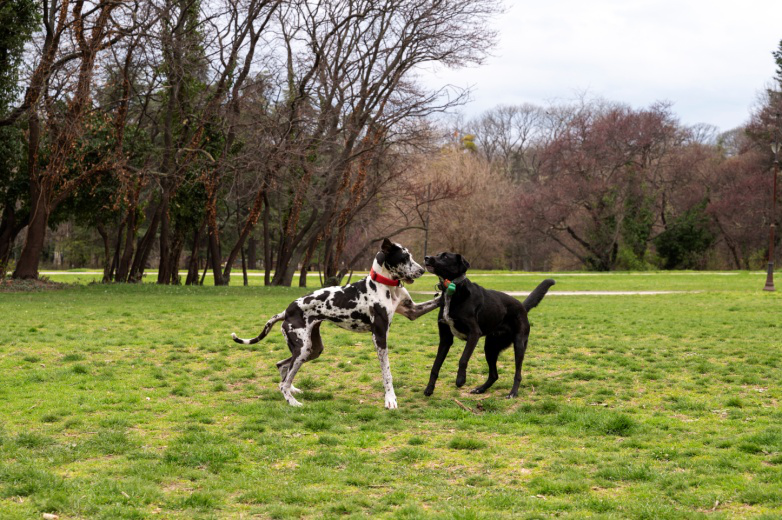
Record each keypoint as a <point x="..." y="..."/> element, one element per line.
<point x="446" y="340"/>
<point x="379" y="335"/>
<point x="412" y="310"/>
<point x="469" y="347"/>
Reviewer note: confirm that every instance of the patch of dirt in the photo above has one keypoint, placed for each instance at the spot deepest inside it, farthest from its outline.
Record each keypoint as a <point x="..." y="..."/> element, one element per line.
<point x="41" y="284"/>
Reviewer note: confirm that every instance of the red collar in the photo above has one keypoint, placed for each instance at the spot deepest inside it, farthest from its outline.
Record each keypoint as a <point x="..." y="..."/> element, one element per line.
<point x="382" y="279"/>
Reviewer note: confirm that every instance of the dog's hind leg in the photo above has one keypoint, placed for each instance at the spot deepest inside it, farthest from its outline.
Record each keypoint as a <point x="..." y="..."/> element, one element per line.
<point x="519" y="348"/>
<point x="492" y="351"/>
<point x="300" y="345"/>
<point x="317" y="348"/>
<point x="283" y="367"/>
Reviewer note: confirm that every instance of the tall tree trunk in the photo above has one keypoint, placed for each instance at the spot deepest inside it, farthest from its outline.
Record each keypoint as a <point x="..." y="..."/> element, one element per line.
<point x="173" y="264"/>
<point x="117" y="246"/>
<point x="165" y="269"/>
<point x="9" y="228"/>
<point x="267" y="246"/>
<point x="214" y="250"/>
<point x="305" y="264"/>
<point x="290" y="253"/>
<point x="144" y="249"/>
<point x="123" y="267"/>
<point x="243" y="233"/>
<point x="192" y="265"/>
<point x="106" y="253"/>
<point x="206" y="265"/>
<point x="27" y="266"/>
<point x="244" y="270"/>
<point x="252" y="252"/>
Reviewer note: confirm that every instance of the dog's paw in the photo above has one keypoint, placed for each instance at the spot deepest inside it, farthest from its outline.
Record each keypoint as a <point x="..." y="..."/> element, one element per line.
<point x="460" y="380"/>
<point x="512" y="395"/>
<point x="478" y="390"/>
<point x="295" y="390"/>
<point x="293" y="402"/>
<point x="391" y="402"/>
<point x="429" y="390"/>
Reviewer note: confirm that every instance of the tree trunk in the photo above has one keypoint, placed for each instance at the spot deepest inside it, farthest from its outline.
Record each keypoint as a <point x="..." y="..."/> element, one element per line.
<point x="267" y="246"/>
<point x="243" y="233"/>
<point x="244" y="270"/>
<point x="252" y="248"/>
<point x="192" y="266"/>
<point x="214" y="249"/>
<point x="9" y="228"/>
<point x="305" y="265"/>
<point x="206" y="265"/>
<point x="290" y="253"/>
<point x="282" y="267"/>
<point x="173" y="264"/>
<point x="303" y="275"/>
<point x="117" y="246"/>
<point x="144" y="249"/>
<point x="165" y="272"/>
<point x="106" y="253"/>
<point x="27" y="266"/>
<point x="123" y="267"/>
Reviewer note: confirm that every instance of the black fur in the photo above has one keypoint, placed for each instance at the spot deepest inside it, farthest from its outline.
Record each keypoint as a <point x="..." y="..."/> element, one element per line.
<point x="473" y="312"/>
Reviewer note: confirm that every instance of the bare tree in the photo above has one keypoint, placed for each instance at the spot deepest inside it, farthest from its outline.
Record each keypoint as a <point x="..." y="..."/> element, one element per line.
<point x="509" y="137"/>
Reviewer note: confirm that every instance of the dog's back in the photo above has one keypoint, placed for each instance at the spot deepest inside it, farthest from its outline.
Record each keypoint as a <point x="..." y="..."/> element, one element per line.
<point x="492" y="299"/>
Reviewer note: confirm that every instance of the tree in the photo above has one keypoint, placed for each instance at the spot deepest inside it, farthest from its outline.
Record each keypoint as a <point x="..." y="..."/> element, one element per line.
<point x="52" y="138"/>
<point x="18" y="19"/>
<point x="355" y="85"/>
<point x="508" y="137"/>
<point x="595" y="188"/>
<point x="685" y="240"/>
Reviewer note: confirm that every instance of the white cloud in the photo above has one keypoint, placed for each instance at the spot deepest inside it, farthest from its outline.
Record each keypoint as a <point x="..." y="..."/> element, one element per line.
<point x="710" y="58"/>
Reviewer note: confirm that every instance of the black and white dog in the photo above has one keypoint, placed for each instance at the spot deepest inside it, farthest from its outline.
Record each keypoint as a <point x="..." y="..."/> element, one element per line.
<point x="365" y="306"/>
<point x="468" y="311"/>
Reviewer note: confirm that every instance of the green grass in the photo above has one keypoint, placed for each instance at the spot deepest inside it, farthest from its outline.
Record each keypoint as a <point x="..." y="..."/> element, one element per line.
<point x="133" y="402"/>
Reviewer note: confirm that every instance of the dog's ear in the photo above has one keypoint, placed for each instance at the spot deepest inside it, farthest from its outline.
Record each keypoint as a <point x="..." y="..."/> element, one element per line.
<point x="387" y="246"/>
<point x="463" y="262"/>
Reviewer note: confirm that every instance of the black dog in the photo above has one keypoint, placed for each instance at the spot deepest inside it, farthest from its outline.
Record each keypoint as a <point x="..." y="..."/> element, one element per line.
<point x="468" y="311"/>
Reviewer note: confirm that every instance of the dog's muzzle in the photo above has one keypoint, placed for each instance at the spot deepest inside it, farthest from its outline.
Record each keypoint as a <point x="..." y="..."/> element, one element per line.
<point x="418" y="273"/>
<point x="429" y="263"/>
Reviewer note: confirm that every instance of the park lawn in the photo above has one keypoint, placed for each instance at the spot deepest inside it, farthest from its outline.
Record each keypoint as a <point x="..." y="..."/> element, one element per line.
<point x="520" y="281"/>
<point x="132" y="402"/>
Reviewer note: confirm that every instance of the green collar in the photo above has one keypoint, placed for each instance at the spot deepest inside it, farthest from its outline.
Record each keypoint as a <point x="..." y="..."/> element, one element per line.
<point x="449" y="286"/>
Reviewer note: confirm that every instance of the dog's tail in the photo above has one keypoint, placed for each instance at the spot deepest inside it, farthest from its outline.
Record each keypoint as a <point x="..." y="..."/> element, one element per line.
<point x="264" y="332"/>
<point x="537" y="295"/>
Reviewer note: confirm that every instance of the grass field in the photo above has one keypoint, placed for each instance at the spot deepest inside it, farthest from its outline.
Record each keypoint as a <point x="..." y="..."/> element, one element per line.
<point x="132" y="402"/>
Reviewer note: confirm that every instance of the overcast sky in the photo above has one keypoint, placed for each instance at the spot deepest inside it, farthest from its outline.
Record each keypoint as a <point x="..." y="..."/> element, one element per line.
<point x="709" y="58"/>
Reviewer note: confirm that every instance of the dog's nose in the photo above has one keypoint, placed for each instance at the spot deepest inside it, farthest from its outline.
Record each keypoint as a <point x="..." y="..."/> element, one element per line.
<point x="427" y="258"/>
